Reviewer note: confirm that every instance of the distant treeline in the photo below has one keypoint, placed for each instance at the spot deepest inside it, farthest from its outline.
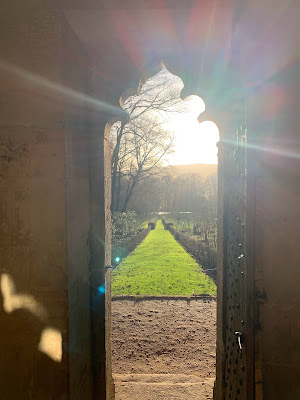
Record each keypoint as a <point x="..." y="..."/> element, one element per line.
<point x="185" y="193"/>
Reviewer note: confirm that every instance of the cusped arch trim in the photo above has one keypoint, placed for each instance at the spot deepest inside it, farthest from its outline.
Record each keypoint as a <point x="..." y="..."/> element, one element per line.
<point x="177" y="69"/>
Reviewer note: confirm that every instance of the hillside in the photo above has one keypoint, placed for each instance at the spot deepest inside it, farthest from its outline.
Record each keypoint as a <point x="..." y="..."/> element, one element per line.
<point x="200" y="169"/>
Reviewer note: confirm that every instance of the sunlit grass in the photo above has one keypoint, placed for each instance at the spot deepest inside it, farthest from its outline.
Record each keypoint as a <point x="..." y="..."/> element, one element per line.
<point x="160" y="266"/>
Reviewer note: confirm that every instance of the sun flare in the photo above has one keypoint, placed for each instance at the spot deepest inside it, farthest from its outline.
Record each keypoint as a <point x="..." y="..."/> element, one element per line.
<point x="195" y="143"/>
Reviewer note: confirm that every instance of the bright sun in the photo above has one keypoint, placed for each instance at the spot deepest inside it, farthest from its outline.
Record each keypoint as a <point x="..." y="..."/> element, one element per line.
<point x="195" y="143"/>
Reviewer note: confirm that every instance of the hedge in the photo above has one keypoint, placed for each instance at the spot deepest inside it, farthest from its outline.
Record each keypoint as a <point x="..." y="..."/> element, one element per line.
<point x="123" y="248"/>
<point x="166" y="223"/>
<point x="205" y="255"/>
<point x="152" y="223"/>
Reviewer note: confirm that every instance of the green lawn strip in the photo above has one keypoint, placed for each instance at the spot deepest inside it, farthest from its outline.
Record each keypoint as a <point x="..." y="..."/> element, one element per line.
<point x="160" y="266"/>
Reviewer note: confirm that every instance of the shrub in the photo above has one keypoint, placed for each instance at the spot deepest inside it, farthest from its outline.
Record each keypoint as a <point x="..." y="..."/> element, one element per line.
<point x="202" y="224"/>
<point x="124" y="224"/>
<point x="204" y="254"/>
<point x="183" y="221"/>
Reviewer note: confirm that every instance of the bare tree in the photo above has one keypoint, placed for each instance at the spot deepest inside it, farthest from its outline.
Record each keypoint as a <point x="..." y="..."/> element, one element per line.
<point x="143" y="148"/>
<point x="148" y="114"/>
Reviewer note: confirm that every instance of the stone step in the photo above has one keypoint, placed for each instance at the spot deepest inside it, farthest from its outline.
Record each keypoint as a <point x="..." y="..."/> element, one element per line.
<point x="162" y="387"/>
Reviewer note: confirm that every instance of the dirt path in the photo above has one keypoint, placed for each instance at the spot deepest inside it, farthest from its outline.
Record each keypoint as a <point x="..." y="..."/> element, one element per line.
<point x="164" y="349"/>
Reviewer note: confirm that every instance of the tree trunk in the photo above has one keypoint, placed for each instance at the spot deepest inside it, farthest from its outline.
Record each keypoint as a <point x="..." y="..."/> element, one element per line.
<point x="114" y="171"/>
<point x="118" y="191"/>
<point x="129" y="193"/>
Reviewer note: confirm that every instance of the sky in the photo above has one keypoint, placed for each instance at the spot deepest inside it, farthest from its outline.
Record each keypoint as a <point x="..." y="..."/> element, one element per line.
<point x="194" y="142"/>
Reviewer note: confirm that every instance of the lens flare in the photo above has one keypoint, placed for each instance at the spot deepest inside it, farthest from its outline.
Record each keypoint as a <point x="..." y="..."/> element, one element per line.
<point x="40" y="82"/>
<point x="101" y="289"/>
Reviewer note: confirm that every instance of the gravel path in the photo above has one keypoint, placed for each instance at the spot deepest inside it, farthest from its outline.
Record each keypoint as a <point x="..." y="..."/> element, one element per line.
<point x="157" y="343"/>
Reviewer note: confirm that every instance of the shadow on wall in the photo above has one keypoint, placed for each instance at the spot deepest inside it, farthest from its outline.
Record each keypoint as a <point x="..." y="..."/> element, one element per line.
<point x="31" y="351"/>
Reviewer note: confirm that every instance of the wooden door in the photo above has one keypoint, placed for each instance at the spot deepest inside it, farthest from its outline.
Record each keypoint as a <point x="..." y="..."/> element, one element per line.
<point x="237" y="322"/>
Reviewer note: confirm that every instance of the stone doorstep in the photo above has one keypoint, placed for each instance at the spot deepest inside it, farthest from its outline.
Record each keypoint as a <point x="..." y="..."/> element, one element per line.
<point x="162" y="387"/>
<point x="175" y="379"/>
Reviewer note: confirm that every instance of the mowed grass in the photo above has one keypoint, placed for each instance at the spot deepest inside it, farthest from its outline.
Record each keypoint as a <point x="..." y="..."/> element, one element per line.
<point x="160" y="266"/>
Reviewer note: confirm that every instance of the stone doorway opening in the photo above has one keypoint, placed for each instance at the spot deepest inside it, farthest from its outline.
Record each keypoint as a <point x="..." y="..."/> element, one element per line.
<point x="163" y="330"/>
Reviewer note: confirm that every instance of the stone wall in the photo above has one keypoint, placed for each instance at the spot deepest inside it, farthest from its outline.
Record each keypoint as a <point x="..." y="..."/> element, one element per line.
<point x="33" y="209"/>
<point x="277" y="234"/>
<point x="50" y="159"/>
<point x="54" y="211"/>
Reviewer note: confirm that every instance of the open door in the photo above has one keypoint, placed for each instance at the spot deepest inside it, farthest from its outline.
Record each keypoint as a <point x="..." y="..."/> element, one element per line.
<point x="235" y="351"/>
